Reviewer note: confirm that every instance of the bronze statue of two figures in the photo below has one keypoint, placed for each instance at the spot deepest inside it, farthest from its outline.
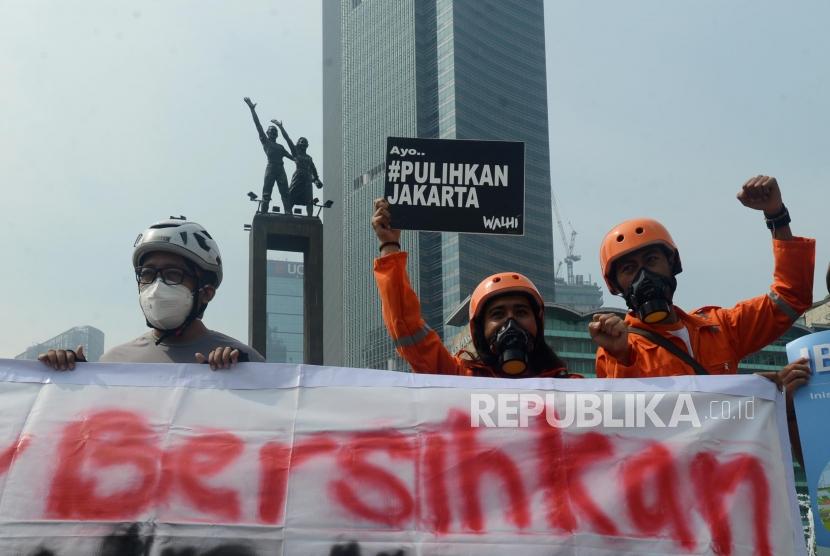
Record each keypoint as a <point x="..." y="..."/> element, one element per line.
<point x="298" y="192"/>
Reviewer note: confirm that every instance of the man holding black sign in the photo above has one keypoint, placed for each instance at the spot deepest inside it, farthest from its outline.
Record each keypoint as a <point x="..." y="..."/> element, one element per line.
<point x="506" y="319"/>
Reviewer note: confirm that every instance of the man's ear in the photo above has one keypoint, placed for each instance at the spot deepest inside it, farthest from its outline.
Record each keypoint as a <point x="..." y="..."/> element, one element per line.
<point x="207" y="293"/>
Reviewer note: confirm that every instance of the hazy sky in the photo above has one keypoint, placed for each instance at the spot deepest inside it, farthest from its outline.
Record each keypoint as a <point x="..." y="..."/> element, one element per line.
<point x="116" y="114"/>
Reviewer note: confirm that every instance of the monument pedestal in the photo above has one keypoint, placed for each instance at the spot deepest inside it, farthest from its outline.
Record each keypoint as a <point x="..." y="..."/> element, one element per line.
<point x="300" y="234"/>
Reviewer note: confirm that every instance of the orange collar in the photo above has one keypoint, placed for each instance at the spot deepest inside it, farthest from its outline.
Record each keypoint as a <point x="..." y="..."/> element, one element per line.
<point x="692" y="320"/>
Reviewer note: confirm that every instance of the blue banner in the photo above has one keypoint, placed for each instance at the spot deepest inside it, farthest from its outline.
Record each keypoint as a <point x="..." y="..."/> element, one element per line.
<point x="812" y="408"/>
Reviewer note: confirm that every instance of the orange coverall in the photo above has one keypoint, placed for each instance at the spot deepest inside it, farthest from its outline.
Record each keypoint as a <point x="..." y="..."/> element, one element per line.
<point x="720" y="337"/>
<point x="414" y="340"/>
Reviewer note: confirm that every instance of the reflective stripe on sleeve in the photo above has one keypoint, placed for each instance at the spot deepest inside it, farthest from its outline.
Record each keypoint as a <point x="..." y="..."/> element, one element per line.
<point x="784" y="306"/>
<point x="413" y="339"/>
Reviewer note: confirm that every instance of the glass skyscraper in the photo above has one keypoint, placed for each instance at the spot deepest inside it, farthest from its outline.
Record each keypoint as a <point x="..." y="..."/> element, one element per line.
<point x="455" y="69"/>
<point x="284" y="310"/>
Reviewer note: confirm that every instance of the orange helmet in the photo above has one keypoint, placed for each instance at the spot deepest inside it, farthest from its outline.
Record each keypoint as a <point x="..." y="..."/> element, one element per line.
<point x="629" y="236"/>
<point x="500" y="284"/>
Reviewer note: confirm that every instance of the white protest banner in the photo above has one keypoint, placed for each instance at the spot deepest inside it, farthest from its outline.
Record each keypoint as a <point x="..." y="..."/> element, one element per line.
<point x="176" y="460"/>
<point x="455" y="185"/>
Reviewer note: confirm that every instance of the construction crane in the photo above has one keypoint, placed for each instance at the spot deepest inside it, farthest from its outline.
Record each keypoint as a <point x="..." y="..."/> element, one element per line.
<point x="570" y="257"/>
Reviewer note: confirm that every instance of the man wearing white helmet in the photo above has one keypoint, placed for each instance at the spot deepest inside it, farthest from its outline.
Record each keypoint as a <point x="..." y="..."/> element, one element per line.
<point x="178" y="268"/>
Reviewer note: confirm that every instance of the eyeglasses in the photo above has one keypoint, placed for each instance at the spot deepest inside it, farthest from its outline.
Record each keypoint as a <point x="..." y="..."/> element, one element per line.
<point x="171" y="276"/>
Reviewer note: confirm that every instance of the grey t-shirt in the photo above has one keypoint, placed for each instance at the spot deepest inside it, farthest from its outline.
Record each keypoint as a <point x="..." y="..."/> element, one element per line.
<point x="144" y="350"/>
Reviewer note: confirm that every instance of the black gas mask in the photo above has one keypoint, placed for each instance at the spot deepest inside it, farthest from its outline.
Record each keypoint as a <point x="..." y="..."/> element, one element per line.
<point x="512" y="344"/>
<point x="650" y="296"/>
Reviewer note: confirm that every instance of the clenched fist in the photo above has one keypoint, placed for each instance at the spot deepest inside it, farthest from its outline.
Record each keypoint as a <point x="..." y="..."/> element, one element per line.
<point x="611" y="333"/>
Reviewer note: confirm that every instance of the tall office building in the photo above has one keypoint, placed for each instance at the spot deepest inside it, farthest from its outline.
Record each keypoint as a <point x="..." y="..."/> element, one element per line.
<point x="284" y="311"/>
<point x="579" y="294"/>
<point x="332" y="169"/>
<point x="88" y="336"/>
<point x="454" y="69"/>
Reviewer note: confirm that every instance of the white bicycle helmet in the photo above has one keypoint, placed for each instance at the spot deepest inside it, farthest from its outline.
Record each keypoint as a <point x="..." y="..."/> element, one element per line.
<point x="186" y="239"/>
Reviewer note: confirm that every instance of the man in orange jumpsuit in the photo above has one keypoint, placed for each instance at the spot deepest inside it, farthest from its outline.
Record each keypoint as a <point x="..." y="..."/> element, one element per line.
<point x="506" y="319"/>
<point x="639" y="260"/>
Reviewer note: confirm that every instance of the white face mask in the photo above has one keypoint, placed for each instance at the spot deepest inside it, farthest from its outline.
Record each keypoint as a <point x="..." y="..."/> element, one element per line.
<point x="165" y="307"/>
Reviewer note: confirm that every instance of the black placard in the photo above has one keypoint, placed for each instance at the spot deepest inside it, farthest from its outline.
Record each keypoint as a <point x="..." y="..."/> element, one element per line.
<point x="451" y="185"/>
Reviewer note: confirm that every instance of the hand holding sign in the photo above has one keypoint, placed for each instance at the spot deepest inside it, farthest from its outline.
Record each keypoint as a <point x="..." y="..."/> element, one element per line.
<point x="219" y="358"/>
<point x="382" y="224"/>
<point x="795" y="374"/>
<point x="62" y="359"/>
